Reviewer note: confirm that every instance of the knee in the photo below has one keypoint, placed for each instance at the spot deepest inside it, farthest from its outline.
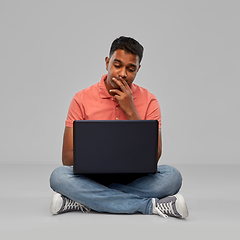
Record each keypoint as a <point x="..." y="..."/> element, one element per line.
<point x="58" y="176"/>
<point x="174" y="178"/>
<point x="177" y="179"/>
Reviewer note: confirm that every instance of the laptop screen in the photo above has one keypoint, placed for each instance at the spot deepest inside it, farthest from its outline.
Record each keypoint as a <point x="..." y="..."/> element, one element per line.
<point x="124" y="146"/>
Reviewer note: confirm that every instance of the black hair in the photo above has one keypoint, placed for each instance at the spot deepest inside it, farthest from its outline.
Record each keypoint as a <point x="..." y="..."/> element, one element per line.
<point x="127" y="44"/>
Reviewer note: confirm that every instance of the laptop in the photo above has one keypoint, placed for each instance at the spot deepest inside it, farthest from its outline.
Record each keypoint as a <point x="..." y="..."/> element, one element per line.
<point x="116" y="148"/>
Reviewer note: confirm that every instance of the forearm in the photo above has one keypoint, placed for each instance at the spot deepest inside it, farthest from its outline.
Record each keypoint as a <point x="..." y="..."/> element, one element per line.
<point x="159" y="144"/>
<point x="67" y="158"/>
<point x="159" y="154"/>
<point x="133" y="115"/>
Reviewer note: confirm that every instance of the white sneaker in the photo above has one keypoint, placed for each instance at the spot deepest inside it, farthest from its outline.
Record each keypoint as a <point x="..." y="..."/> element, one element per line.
<point x="61" y="204"/>
<point x="173" y="206"/>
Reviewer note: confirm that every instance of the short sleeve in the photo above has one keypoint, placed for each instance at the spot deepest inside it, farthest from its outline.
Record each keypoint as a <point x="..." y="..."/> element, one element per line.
<point x="153" y="111"/>
<point x="75" y="111"/>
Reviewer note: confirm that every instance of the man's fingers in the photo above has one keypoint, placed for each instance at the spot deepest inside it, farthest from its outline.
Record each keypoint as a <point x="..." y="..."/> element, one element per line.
<point x="119" y="83"/>
<point x="118" y="92"/>
<point x="124" y="82"/>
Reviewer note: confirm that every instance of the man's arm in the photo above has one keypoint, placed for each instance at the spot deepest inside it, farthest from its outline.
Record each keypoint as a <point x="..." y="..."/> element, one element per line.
<point x="125" y="100"/>
<point x="159" y="144"/>
<point x="67" y="149"/>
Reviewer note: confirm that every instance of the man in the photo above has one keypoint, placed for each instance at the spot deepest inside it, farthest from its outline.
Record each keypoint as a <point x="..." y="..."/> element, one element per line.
<point x="116" y="97"/>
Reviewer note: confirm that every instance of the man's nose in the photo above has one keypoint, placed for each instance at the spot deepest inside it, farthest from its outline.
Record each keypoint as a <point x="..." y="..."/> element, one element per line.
<point x="123" y="73"/>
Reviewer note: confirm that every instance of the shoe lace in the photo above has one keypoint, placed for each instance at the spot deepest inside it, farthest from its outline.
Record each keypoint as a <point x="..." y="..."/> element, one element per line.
<point x="165" y="209"/>
<point x="75" y="206"/>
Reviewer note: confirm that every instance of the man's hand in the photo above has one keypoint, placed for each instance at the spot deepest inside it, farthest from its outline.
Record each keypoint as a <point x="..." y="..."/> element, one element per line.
<point x="125" y="99"/>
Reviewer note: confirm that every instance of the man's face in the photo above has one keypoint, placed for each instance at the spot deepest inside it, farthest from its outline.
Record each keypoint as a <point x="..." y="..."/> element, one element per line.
<point x="122" y="66"/>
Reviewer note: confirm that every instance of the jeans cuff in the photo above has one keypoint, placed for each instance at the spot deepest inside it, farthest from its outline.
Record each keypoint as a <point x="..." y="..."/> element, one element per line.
<point x="149" y="209"/>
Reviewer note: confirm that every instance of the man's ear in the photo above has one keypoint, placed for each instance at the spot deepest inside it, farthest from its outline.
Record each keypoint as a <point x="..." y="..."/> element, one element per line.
<point x="107" y="62"/>
<point x="138" y="68"/>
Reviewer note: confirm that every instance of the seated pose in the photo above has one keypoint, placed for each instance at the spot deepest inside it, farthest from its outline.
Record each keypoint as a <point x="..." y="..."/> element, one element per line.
<point x="116" y="97"/>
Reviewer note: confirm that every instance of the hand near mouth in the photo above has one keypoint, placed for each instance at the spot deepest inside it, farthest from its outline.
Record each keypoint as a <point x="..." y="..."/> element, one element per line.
<point x="124" y="97"/>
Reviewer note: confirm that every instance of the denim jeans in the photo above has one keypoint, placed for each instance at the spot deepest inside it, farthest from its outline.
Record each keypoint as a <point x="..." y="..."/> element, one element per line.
<point x="135" y="197"/>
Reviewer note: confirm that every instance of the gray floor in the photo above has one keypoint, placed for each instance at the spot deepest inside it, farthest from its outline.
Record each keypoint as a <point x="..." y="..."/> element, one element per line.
<point x="211" y="192"/>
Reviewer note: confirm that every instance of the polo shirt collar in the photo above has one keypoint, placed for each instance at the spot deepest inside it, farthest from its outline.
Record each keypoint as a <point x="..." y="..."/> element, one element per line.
<point x="103" y="92"/>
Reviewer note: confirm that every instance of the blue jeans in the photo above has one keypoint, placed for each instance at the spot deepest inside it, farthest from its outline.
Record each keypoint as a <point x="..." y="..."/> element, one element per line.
<point x="134" y="197"/>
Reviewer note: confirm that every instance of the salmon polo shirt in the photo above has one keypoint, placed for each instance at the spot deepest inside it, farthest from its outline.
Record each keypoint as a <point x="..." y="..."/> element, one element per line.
<point x="95" y="103"/>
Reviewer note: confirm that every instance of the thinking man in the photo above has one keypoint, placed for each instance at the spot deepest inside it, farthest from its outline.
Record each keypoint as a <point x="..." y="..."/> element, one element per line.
<point x="116" y="97"/>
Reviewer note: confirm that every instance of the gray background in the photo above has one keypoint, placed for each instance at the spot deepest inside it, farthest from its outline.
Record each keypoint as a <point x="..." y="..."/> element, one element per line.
<point x="49" y="50"/>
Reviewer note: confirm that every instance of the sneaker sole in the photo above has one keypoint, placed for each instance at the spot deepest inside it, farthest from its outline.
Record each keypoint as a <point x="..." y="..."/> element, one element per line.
<point x="56" y="203"/>
<point x="181" y="206"/>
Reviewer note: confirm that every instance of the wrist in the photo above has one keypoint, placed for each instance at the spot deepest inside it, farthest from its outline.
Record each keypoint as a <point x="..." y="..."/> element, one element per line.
<point x="133" y="116"/>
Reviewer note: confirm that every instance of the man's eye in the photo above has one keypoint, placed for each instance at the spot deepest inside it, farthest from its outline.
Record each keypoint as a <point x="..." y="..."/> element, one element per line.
<point x="117" y="66"/>
<point x="131" y="70"/>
